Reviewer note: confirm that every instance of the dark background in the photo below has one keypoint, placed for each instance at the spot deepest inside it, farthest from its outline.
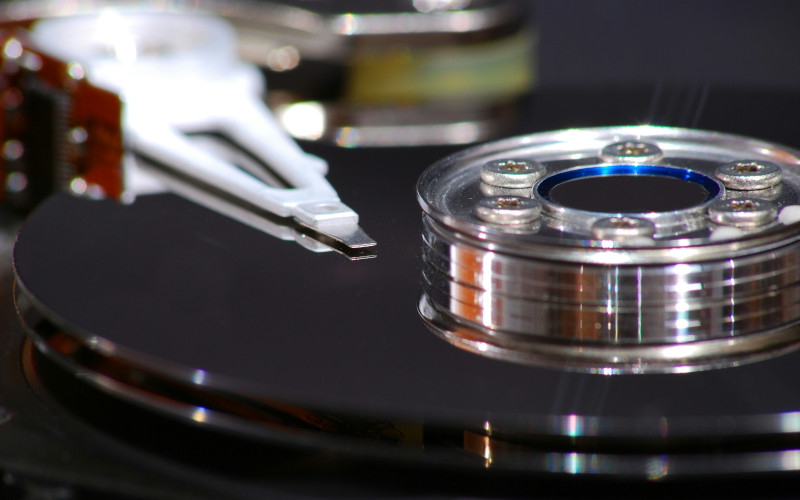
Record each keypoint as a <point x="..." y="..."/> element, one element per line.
<point x="612" y="42"/>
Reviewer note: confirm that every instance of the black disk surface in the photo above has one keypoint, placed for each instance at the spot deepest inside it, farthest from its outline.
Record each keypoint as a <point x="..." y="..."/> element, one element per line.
<point x="177" y="283"/>
<point x="180" y="285"/>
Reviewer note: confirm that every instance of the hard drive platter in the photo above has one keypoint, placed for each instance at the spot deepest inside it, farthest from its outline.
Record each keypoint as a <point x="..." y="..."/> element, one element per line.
<point x="189" y="320"/>
<point x="454" y="248"/>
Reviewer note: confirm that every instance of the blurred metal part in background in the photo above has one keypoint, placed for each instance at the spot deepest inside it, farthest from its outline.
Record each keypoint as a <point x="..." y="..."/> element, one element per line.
<point x="407" y="72"/>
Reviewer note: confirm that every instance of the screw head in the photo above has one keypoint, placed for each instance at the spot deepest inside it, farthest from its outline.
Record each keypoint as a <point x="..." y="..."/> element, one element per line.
<point x="508" y="210"/>
<point x="31" y="61"/>
<point x="743" y="212"/>
<point x="616" y="228"/>
<point x="16" y="182"/>
<point x="513" y="174"/>
<point x="631" y="151"/>
<point x="75" y="71"/>
<point x="749" y="175"/>
<point x="78" y="186"/>
<point x="12" y="150"/>
<point x="77" y="135"/>
<point x="13" y="49"/>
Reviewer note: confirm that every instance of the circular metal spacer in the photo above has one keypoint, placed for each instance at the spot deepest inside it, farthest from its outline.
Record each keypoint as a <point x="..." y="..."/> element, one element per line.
<point x="749" y="175"/>
<point x="618" y="228"/>
<point x="508" y="210"/>
<point x="659" y="194"/>
<point x="514" y="174"/>
<point x="489" y="190"/>
<point x="593" y="288"/>
<point x="631" y="151"/>
<point x="743" y="212"/>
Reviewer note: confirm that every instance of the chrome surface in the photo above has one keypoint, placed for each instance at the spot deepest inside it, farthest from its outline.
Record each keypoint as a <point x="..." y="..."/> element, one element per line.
<point x="455" y="18"/>
<point x="696" y="295"/>
<point x="265" y="23"/>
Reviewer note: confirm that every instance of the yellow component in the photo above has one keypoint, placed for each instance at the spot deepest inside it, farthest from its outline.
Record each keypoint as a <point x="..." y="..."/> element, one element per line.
<point x="407" y="74"/>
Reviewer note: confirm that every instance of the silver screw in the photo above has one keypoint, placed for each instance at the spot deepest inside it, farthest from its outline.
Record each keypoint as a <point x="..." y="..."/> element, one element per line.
<point x="78" y="186"/>
<point x="75" y="71"/>
<point x="631" y="151"/>
<point x="78" y="135"/>
<point x="95" y="192"/>
<point x="749" y="175"/>
<point x="31" y="61"/>
<point x="514" y="174"/>
<point x="13" y="150"/>
<point x="13" y="49"/>
<point x="508" y="210"/>
<point x="617" y="228"/>
<point x="16" y="182"/>
<point x="747" y="212"/>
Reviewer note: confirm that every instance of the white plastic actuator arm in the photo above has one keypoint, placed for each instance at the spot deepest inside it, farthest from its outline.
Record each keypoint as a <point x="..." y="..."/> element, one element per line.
<point x="178" y="74"/>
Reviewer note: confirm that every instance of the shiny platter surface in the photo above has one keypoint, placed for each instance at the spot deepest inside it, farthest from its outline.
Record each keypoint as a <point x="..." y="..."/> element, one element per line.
<point x="187" y="313"/>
